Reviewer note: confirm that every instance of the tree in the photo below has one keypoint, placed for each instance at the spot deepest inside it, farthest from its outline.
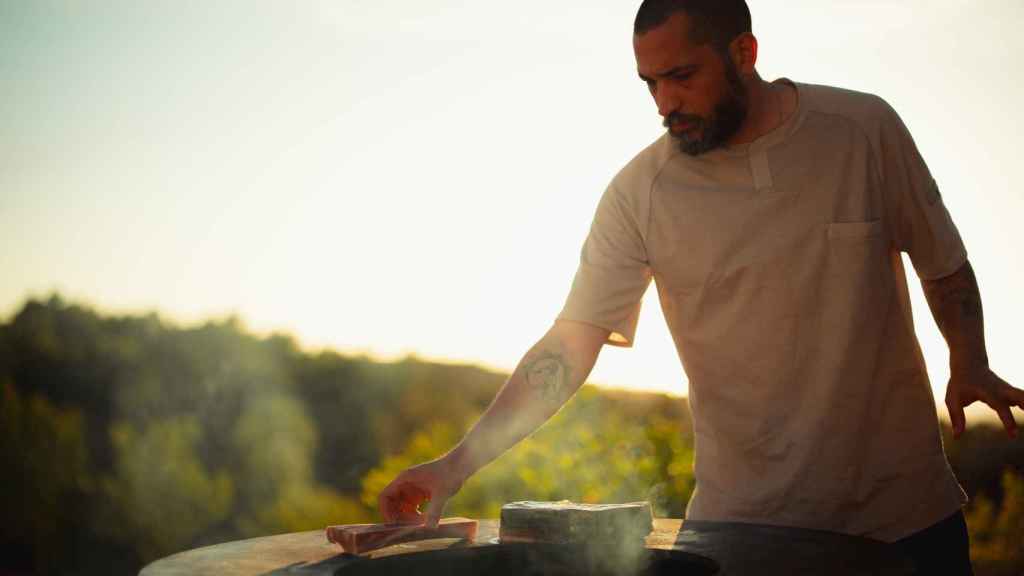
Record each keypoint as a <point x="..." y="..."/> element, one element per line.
<point x="275" y="442"/>
<point x="46" y="474"/>
<point x="160" y="495"/>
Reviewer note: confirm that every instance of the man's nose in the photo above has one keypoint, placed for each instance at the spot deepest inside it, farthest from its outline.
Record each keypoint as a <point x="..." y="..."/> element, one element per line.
<point x="667" y="100"/>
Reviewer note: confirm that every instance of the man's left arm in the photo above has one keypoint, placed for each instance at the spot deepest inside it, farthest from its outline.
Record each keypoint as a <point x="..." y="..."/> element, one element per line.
<point x="956" y="306"/>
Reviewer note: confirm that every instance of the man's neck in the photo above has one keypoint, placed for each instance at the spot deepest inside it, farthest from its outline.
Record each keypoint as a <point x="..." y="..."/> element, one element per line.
<point x="770" y="105"/>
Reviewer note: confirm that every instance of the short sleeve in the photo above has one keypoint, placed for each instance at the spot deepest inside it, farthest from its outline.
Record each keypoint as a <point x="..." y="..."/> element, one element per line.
<point x="921" y="224"/>
<point x="613" y="272"/>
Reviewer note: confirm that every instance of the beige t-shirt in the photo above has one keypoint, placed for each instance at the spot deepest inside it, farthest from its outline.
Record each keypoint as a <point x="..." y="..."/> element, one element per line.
<point x="778" y="268"/>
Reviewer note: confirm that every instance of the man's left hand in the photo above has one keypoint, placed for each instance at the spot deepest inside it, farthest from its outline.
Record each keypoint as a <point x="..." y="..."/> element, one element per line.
<point x="966" y="388"/>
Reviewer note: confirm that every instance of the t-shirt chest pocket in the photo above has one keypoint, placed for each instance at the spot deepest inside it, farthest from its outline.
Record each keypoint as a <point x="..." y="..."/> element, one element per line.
<point x="853" y="245"/>
<point x="857" y="260"/>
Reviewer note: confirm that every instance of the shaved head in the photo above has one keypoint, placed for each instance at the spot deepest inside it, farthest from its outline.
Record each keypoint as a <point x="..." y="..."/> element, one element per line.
<point x="714" y="22"/>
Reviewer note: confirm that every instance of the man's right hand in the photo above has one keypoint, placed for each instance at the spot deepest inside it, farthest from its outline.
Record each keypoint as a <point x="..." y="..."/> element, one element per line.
<point x="436" y="481"/>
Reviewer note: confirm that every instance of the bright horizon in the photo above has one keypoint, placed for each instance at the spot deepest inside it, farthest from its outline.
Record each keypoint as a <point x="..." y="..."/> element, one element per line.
<point x="401" y="178"/>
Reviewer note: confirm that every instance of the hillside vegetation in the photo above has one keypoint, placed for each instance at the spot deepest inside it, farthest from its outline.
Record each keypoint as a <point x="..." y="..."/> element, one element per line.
<point x="128" y="438"/>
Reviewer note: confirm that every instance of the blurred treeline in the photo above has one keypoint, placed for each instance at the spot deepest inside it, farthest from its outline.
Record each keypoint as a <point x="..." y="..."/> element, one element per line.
<point x="125" y="439"/>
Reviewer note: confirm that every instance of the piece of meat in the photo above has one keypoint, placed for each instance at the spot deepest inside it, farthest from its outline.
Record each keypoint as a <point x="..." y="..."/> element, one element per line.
<point x="361" y="538"/>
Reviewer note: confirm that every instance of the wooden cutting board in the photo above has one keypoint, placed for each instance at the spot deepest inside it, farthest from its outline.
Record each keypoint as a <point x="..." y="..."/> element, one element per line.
<point x="362" y="538"/>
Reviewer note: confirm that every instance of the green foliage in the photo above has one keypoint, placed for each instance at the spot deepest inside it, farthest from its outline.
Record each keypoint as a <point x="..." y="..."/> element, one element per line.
<point x="161" y="494"/>
<point x="45" y="470"/>
<point x="424" y="392"/>
<point x="277" y="442"/>
<point x="997" y="533"/>
<point x="589" y="452"/>
<point x="301" y="507"/>
<point x="194" y="436"/>
<point x="274" y="441"/>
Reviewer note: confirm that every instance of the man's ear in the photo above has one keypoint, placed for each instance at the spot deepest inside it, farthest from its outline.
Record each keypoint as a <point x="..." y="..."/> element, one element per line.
<point x="743" y="51"/>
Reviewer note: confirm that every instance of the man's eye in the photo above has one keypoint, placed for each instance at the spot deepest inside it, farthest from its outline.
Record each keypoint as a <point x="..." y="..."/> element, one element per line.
<point x="683" y="77"/>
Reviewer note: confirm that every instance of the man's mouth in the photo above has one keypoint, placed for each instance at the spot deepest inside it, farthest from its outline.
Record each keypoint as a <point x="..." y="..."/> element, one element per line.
<point x="681" y="127"/>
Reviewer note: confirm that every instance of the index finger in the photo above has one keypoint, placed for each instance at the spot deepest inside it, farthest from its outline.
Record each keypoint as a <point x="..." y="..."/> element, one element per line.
<point x="1015" y="396"/>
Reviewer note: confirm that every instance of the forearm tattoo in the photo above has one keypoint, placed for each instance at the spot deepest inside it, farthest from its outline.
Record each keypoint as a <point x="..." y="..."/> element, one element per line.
<point x="955" y="303"/>
<point x="549" y="373"/>
<point x="960" y="289"/>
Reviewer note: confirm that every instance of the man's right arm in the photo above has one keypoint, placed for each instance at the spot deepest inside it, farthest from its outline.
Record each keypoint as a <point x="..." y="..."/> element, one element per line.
<point x="547" y="376"/>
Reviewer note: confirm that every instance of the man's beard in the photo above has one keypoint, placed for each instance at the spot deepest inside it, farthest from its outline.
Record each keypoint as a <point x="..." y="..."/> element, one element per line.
<point x="722" y="124"/>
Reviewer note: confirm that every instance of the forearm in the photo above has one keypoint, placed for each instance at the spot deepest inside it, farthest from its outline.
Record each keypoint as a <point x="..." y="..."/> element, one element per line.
<point x="547" y="376"/>
<point x="956" y="306"/>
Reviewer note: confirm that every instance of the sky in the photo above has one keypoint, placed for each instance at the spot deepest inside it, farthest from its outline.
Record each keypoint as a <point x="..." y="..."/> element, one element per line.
<point x="406" y="177"/>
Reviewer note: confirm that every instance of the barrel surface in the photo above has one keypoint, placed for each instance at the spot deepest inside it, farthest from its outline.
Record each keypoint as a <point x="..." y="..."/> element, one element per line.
<point x="738" y="549"/>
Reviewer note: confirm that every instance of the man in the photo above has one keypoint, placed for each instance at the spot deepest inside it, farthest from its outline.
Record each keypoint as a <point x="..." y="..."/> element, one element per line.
<point x="771" y="217"/>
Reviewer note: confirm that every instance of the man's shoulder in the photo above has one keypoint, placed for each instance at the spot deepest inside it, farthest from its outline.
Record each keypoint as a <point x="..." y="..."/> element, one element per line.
<point x="863" y="108"/>
<point x="640" y="172"/>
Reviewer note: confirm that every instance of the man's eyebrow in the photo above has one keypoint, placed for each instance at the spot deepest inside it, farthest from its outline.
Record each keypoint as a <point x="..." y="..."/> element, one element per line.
<point x="671" y="72"/>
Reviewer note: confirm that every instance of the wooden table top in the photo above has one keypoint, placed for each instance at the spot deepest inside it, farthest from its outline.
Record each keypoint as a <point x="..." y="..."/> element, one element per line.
<point x="739" y="549"/>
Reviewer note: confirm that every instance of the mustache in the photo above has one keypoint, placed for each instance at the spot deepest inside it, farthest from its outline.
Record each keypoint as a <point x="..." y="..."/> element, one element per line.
<point x="678" y="118"/>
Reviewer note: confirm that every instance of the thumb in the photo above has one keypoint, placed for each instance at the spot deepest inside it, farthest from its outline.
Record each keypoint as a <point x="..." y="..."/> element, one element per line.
<point x="434" y="510"/>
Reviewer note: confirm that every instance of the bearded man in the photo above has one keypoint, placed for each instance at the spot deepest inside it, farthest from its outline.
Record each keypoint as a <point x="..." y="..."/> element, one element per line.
<point x="771" y="217"/>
